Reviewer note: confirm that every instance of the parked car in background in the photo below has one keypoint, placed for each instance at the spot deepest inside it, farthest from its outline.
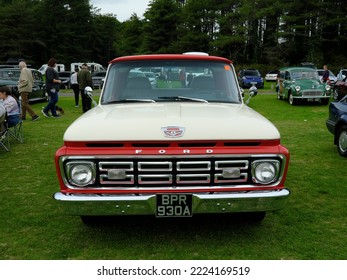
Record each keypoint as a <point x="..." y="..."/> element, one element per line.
<point x="342" y="74"/>
<point x="337" y="124"/>
<point x="152" y="79"/>
<point x="59" y="68"/>
<point x="98" y="78"/>
<point x="302" y="84"/>
<point x="248" y="76"/>
<point x="271" y="76"/>
<point x="65" y="77"/>
<point x="332" y="77"/>
<point x="308" y="64"/>
<point x="340" y="87"/>
<point x="10" y="77"/>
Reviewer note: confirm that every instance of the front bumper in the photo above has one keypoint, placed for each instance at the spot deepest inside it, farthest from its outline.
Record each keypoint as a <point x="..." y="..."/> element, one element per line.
<point x="113" y="205"/>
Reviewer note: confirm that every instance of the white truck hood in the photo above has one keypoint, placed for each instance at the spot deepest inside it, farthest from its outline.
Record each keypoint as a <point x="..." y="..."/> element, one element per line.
<point x="146" y="121"/>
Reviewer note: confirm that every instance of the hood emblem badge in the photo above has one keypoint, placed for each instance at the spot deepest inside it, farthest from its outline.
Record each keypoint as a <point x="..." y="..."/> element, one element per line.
<point x="173" y="131"/>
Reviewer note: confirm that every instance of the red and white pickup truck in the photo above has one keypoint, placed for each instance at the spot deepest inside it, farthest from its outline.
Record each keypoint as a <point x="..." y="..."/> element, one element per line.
<point x="189" y="145"/>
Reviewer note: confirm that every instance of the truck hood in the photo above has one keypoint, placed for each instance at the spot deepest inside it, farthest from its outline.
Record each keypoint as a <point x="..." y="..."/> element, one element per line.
<point x="148" y="121"/>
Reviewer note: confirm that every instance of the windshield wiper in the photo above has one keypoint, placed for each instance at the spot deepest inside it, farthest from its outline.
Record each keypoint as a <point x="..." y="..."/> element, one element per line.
<point x="178" y="98"/>
<point x="131" y="100"/>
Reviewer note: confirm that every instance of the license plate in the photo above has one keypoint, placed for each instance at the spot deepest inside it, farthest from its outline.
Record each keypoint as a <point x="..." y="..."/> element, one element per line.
<point x="174" y="205"/>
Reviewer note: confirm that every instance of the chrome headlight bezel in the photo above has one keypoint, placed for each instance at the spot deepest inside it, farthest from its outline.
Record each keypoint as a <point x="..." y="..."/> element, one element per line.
<point x="74" y="169"/>
<point x="266" y="168"/>
<point x="297" y="88"/>
<point x="327" y="87"/>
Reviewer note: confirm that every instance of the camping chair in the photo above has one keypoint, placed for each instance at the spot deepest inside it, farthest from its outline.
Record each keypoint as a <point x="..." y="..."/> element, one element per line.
<point x="16" y="131"/>
<point x="4" y="136"/>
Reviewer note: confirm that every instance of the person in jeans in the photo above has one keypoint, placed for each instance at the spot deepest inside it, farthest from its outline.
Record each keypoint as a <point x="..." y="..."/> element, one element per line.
<point x="84" y="79"/>
<point x="52" y="87"/>
<point x="25" y="87"/>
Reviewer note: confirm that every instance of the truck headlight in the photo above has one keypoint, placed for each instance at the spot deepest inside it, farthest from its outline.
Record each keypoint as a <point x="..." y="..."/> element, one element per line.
<point x="327" y="87"/>
<point x="80" y="173"/>
<point x="265" y="171"/>
<point x="297" y="88"/>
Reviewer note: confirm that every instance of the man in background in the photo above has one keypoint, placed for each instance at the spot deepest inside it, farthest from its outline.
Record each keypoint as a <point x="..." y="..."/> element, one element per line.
<point x="84" y="79"/>
<point x="25" y="87"/>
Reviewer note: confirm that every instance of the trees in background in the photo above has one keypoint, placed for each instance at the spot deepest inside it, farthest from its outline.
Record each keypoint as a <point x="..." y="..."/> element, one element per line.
<point x="267" y="32"/>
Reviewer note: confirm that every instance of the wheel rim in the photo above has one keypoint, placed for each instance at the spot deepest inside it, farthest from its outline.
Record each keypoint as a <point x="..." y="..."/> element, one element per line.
<point x="291" y="99"/>
<point x="335" y="94"/>
<point x="343" y="141"/>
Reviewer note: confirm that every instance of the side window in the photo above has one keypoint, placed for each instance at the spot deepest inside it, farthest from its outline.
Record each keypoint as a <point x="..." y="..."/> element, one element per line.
<point x="36" y="76"/>
<point x="287" y="75"/>
<point x="281" y="75"/>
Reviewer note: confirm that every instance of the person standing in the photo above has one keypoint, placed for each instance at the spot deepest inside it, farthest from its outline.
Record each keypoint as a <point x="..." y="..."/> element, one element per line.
<point x="84" y="79"/>
<point x="74" y="86"/>
<point x="52" y="88"/>
<point x="25" y="87"/>
<point x="325" y="77"/>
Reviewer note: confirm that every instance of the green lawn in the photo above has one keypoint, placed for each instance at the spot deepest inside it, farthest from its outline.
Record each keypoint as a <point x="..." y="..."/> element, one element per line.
<point x="312" y="226"/>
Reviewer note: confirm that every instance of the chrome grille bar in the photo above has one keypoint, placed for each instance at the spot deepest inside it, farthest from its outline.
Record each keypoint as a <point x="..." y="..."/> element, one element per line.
<point x="173" y="171"/>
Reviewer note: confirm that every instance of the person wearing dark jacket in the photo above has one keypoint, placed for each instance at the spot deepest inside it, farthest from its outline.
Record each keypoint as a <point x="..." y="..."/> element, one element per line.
<point x="84" y="79"/>
<point x="325" y="77"/>
<point x="52" y="87"/>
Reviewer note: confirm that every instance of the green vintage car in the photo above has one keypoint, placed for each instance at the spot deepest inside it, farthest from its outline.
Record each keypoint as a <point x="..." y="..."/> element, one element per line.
<point x="302" y="84"/>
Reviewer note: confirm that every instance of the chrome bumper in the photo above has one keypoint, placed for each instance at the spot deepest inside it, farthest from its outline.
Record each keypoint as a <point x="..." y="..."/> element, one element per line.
<point x="113" y="205"/>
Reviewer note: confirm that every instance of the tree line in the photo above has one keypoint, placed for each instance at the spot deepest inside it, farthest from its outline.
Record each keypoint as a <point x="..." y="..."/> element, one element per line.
<point x="263" y="33"/>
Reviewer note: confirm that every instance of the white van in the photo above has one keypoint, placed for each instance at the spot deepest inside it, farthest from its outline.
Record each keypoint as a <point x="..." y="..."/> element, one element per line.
<point x="92" y="66"/>
<point x="58" y="68"/>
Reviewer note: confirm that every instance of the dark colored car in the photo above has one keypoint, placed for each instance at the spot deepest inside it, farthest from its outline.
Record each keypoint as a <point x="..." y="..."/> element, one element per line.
<point x="340" y="87"/>
<point x="98" y="78"/>
<point x="337" y="124"/>
<point x="65" y="76"/>
<point x="10" y="77"/>
<point x="248" y="76"/>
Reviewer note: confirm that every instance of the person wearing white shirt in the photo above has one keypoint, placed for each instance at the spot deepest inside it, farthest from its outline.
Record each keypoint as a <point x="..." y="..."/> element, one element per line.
<point x="74" y="86"/>
<point x="11" y="105"/>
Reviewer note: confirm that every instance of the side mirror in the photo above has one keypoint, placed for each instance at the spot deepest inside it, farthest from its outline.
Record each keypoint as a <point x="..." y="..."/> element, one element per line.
<point x="89" y="92"/>
<point x="253" y="91"/>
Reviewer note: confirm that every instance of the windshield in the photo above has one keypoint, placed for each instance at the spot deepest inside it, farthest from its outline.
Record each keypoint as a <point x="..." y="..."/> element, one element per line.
<point x="252" y="73"/>
<point x="9" y="74"/>
<point x="175" y="80"/>
<point x="303" y="74"/>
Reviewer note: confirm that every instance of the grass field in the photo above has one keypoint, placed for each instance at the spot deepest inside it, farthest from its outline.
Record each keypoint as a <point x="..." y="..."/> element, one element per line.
<point x="312" y="226"/>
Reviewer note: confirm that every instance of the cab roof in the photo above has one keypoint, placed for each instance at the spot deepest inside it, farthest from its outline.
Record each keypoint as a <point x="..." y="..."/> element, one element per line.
<point x="171" y="57"/>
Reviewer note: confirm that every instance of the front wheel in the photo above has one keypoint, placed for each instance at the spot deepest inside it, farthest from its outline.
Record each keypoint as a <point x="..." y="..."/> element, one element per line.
<point x="336" y="94"/>
<point x="342" y="141"/>
<point x="324" y="101"/>
<point x="292" y="100"/>
<point x="254" y="217"/>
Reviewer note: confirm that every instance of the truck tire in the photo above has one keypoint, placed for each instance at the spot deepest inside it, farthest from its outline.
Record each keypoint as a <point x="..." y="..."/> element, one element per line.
<point x="254" y="217"/>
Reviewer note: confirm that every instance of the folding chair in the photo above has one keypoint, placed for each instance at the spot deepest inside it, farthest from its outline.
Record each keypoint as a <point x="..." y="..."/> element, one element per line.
<point x="4" y="135"/>
<point x="16" y="131"/>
